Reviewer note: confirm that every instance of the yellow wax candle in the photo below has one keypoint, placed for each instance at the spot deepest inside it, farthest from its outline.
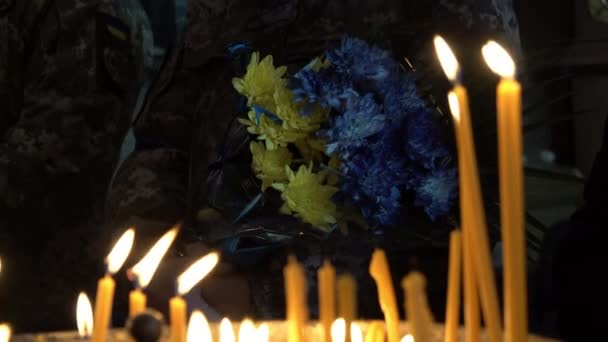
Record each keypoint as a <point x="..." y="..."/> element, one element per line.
<point x="471" y="295"/>
<point x="103" y="308"/>
<point x="137" y="302"/>
<point x="177" y="315"/>
<point x="379" y="270"/>
<point x="106" y="285"/>
<point x="508" y="107"/>
<point x="295" y="292"/>
<point x="327" y="297"/>
<point x="144" y="270"/>
<point x="375" y="332"/>
<point x="452" y="311"/>
<point x="415" y="305"/>
<point x="185" y="282"/>
<point x="471" y="204"/>
<point x="347" y="300"/>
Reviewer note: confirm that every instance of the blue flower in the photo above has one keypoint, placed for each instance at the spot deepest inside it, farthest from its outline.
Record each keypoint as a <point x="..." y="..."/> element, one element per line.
<point x="423" y="140"/>
<point x="362" y="119"/>
<point x="436" y="192"/>
<point x="362" y="61"/>
<point x="325" y="88"/>
<point x="400" y="98"/>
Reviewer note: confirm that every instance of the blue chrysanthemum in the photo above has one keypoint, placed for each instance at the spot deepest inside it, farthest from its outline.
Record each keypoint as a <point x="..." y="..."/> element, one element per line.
<point x="423" y="140"/>
<point x="362" y="119"/>
<point x="362" y="61"/>
<point x="436" y="192"/>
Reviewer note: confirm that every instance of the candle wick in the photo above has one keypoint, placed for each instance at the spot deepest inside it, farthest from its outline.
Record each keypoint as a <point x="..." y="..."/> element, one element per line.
<point x="106" y="268"/>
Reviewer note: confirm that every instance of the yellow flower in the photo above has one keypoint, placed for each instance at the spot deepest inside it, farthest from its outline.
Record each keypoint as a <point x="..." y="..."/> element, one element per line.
<point x="307" y="198"/>
<point x="311" y="149"/>
<point x="269" y="165"/>
<point x="290" y="127"/>
<point x="260" y="81"/>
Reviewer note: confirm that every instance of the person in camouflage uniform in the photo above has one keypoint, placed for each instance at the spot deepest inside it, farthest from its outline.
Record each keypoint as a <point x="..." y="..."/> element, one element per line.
<point x="183" y="165"/>
<point x="68" y="82"/>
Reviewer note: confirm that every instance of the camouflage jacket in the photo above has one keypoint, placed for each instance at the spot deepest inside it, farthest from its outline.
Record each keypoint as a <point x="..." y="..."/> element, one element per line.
<point x="183" y="161"/>
<point x="68" y="82"/>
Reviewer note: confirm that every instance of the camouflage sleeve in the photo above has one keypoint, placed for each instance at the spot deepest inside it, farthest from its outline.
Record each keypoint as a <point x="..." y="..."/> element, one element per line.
<point x="65" y="89"/>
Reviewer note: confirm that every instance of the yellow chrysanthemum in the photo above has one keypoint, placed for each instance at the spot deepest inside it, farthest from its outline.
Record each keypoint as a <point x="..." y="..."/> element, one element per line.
<point x="307" y="198"/>
<point x="269" y="165"/>
<point x="288" y="126"/>
<point x="273" y="134"/>
<point x="260" y="81"/>
<point x="312" y="149"/>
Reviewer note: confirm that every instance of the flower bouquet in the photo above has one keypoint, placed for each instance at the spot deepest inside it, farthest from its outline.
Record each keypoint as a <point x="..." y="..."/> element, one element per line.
<point x="346" y="139"/>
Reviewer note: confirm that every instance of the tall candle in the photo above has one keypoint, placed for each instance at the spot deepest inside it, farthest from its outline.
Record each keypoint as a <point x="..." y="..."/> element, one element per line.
<point x="347" y="299"/>
<point x="508" y="108"/>
<point x="144" y="270"/>
<point x="452" y="311"/>
<point x="106" y="285"/>
<point x="471" y="294"/>
<point x="471" y="204"/>
<point x="375" y="332"/>
<point x="327" y="297"/>
<point x="185" y="282"/>
<point x="413" y="284"/>
<point x="295" y="291"/>
<point x="379" y="270"/>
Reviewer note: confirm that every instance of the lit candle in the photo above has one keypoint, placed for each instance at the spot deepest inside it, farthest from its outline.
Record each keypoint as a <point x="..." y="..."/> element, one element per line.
<point x="84" y="316"/>
<point x="295" y="291"/>
<point x="415" y="305"/>
<point x="508" y="107"/>
<point x="226" y="331"/>
<point x="379" y="270"/>
<point x="338" y="330"/>
<point x="452" y="311"/>
<point x="471" y="205"/>
<point x="247" y="331"/>
<point x="471" y="294"/>
<point x="143" y="271"/>
<point x="375" y="332"/>
<point x="472" y="317"/>
<point x="327" y="297"/>
<point x="356" y="334"/>
<point x="263" y="333"/>
<point x="198" y="328"/>
<point x="347" y="297"/>
<point x="185" y="282"/>
<point x="5" y="332"/>
<point x="106" y="285"/>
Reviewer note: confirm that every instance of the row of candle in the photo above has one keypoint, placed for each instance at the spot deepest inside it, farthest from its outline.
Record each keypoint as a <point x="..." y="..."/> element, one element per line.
<point x="479" y="281"/>
<point x="470" y="250"/>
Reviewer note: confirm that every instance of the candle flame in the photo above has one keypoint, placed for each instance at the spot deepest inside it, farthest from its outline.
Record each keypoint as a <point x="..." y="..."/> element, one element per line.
<point x="498" y="59"/>
<point x="263" y="334"/>
<point x="338" y="330"/>
<point x="121" y="251"/>
<point x="5" y="332"/>
<point x="196" y="272"/>
<point x="448" y="61"/>
<point x="226" y="331"/>
<point x="198" y="328"/>
<point x="84" y="315"/>
<point x="356" y="334"/>
<point x="407" y="338"/>
<point x="454" y="105"/>
<point x="247" y="331"/>
<point x="144" y="270"/>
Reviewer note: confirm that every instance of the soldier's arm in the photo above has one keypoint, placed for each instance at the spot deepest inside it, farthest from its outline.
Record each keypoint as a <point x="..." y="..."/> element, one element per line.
<point x="70" y="71"/>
